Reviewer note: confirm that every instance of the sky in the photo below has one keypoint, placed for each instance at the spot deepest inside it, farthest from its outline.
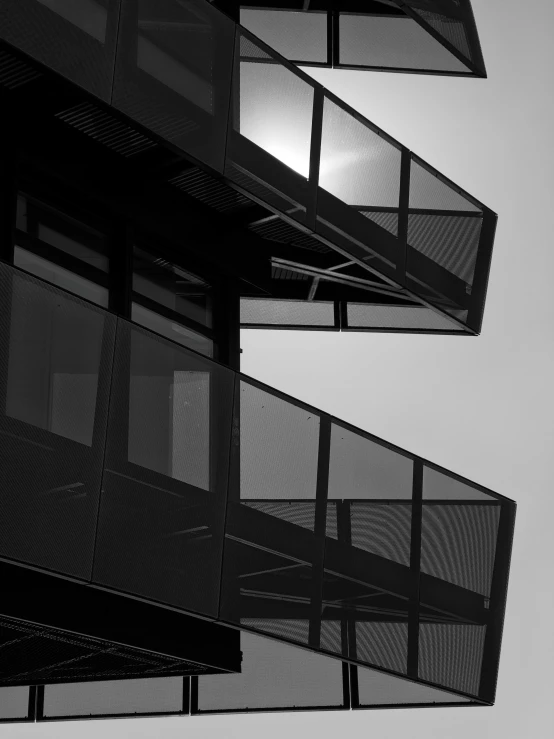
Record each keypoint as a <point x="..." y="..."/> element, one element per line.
<point x="482" y="407"/>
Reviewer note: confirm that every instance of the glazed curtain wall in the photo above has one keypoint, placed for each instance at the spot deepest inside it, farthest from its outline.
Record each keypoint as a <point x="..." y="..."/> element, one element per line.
<point x="131" y="462"/>
<point x="212" y="90"/>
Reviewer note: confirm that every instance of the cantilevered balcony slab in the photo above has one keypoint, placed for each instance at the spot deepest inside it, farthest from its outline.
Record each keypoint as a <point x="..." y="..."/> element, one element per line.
<point x="359" y="232"/>
<point x="133" y="468"/>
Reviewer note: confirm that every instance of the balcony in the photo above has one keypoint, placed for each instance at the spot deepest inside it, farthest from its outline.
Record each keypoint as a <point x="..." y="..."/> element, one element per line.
<point x="422" y="36"/>
<point x="360" y="233"/>
<point x="133" y="466"/>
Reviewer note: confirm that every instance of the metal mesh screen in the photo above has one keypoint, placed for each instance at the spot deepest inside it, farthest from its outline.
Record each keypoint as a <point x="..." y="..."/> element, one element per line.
<point x="379" y="689"/>
<point x="261" y="311"/>
<point x="173" y="73"/>
<point x="383" y="644"/>
<point x="278" y="447"/>
<point x="76" y="39"/>
<point x="55" y="369"/>
<point x="427" y="191"/>
<point x="388" y="221"/>
<point x="397" y="42"/>
<point x="382" y="529"/>
<point x="357" y="165"/>
<point x="300" y="37"/>
<point x="14" y="703"/>
<point x="362" y="469"/>
<point x="458" y="544"/>
<point x="397" y="317"/>
<point x="160" y="528"/>
<point x="274" y="675"/>
<point x="266" y="89"/>
<point x="331" y="636"/>
<point x="449" y="240"/>
<point x="451" y="655"/>
<point x="451" y="29"/>
<point x="114" y="698"/>
<point x="294" y="511"/>
<point x="440" y="486"/>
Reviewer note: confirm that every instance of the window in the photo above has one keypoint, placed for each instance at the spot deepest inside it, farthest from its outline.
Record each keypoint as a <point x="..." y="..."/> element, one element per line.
<point x="61" y="250"/>
<point x="172" y="302"/>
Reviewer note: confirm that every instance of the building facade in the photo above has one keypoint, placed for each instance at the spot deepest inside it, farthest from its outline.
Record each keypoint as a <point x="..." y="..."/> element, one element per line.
<point x="176" y="537"/>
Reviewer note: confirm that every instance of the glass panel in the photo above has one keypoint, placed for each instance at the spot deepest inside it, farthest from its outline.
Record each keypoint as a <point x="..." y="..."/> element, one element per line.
<point x="357" y="165"/>
<point x="60" y="277"/>
<point x="278" y="447"/>
<point x="273" y="675"/>
<point x="300" y="37"/>
<point x="397" y="42"/>
<point x="379" y="689"/>
<point x="58" y="353"/>
<point x="172" y="287"/>
<point x="14" y="702"/>
<point x="115" y="697"/>
<point x="173" y="73"/>
<point x="363" y="469"/>
<point x="172" y="330"/>
<point x="266" y="90"/>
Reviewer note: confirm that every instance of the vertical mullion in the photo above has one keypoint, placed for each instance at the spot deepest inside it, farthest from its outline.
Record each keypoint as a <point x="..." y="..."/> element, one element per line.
<point x="498" y="594"/>
<point x="415" y="571"/>
<point x="315" y="156"/>
<point x="185" y="708"/>
<point x="335" y="48"/>
<point x="329" y="38"/>
<point x="121" y="270"/>
<point x="403" y="206"/>
<point x="322" y="485"/>
<point x="8" y="204"/>
<point x="194" y="695"/>
<point x="481" y="271"/>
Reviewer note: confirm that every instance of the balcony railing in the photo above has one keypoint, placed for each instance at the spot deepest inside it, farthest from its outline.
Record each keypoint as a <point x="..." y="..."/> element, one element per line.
<point x="131" y="463"/>
<point x="336" y="182"/>
<point x="423" y="36"/>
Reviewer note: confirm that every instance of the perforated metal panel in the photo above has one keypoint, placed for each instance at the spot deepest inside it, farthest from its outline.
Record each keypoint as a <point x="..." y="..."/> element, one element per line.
<point x="173" y="73"/>
<point x="115" y="698"/>
<point x="397" y="317"/>
<point x="458" y="543"/>
<point x="451" y="655"/>
<point x="161" y="517"/>
<point x="55" y="372"/>
<point x="396" y="42"/>
<point x="301" y="37"/>
<point x="14" y="703"/>
<point x="262" y="311"/>
<point x="274" y="675"/>
<point x="76" y="39"/>
<point x="379" y="689"/>
<point x="357" y="165"/>
<point x="266" y="89"/>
